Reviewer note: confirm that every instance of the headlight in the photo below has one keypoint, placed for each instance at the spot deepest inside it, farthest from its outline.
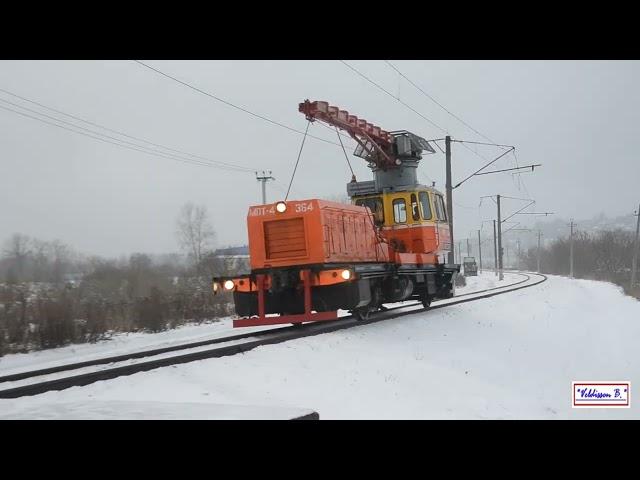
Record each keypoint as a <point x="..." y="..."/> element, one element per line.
<point x="346" y="274"/>
<point x="281" y="207"/>
<point x="216" y="287"/>
<point x="228" y="285"/>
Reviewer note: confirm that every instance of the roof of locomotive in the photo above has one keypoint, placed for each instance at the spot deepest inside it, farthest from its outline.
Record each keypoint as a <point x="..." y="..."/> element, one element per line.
<point x="404" y="188"/>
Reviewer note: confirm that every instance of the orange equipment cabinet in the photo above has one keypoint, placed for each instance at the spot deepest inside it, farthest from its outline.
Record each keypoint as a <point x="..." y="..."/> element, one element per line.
<point x="312" y="232"/>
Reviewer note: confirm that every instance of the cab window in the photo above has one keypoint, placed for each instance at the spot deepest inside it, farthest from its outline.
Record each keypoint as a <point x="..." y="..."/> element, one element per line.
<point x="399" y="210"/>
<point x="375" y="205"/>
<point x="440" y="210"/>
<point x="415" y="212"/>
<point x="426" y="206"/>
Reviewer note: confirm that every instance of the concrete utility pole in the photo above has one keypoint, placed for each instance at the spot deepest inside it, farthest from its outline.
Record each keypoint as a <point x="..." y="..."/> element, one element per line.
<point x="459" y="252"/>
<point x="495" y="248"/>
<point x="480" y="251"/>
<point x="518" y="260"/>
<point x="539" y="235"/>
<point x="449" y="188"/>
<point x="468" y="248"/>
<point x="636" y="247"/>
<point x="500" y="264"/>
<point x="264" y="178"/>
<point x="571" y="250"/>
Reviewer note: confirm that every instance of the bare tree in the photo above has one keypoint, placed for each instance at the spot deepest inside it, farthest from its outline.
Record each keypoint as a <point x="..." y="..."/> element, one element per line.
<point x="16" y="248"/>
<point x="195" y="232"/>
<point x="41" y="252"/>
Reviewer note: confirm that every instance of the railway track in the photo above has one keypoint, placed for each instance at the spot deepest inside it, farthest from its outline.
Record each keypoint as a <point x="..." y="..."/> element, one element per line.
<point x="230" y="345"/>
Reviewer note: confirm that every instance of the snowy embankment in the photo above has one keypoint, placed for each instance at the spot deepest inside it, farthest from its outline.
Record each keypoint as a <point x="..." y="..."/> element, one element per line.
<point x="510" y="356"/>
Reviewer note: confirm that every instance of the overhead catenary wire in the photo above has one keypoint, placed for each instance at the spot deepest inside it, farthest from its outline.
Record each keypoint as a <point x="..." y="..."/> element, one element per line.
<point x="237" y="107"/>
<point x="359" y="73"/>
<point x="125" y="142"/>
<point x="124" y="134"/>
<point x="437" y="103"/>
<point x="188" y="161"/>
<point x="393" y="96"/>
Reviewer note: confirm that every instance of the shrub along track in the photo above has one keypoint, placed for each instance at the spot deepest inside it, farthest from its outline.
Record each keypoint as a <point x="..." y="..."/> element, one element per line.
<point x="267" y="337"/>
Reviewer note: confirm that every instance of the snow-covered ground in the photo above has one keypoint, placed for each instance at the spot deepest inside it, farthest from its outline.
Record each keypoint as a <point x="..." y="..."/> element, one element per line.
<point x="120" y="344"/>
<point x="510" y="356"/>
<point x="487" y="280"/>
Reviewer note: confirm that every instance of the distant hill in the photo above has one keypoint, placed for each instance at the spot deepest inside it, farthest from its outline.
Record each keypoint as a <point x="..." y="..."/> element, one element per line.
<point x="558" y="227"/>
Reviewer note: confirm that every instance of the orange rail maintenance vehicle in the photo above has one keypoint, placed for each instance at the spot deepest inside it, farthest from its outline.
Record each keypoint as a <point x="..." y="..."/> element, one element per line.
<point x="310" y="258"/>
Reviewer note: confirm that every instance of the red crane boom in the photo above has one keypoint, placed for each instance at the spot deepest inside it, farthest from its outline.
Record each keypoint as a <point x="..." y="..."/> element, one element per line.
<point x="378" y="143"/>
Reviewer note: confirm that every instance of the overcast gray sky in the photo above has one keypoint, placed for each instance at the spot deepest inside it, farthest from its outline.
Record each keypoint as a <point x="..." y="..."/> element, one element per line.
<point x="578" y="118"/>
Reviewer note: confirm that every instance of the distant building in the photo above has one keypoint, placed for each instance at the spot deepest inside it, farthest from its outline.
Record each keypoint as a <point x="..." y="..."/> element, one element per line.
<point x="235" y="259"/>
<point x="232" y="251"/>
<point x="72" y="278"/>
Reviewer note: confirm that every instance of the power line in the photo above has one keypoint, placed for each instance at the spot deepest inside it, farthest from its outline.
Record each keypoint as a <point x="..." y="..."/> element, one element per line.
<point x="409" y="107"/>
<point x="218" y="99"/>
<point x="139" y="147"/>
<point x="239" y="167"/>
<point x="393" y="96"/>
<point x="193" y="162"/>
<point x="436" y="102"/>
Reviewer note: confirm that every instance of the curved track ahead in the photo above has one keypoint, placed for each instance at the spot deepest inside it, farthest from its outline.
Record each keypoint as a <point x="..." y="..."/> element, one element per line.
<point x="266" y="337"/>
